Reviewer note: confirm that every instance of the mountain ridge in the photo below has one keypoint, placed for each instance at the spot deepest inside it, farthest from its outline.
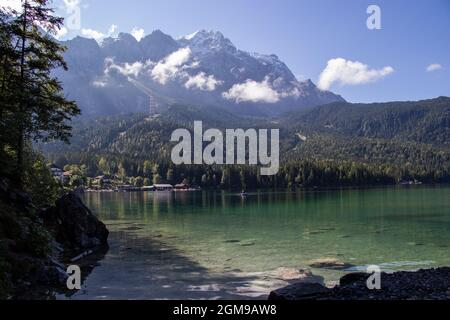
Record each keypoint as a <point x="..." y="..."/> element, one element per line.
<point x="384" y="134"/>
<point x="203" y="69"/>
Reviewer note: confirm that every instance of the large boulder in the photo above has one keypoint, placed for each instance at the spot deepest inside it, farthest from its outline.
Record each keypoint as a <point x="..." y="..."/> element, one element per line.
<point x="74" y="225"/>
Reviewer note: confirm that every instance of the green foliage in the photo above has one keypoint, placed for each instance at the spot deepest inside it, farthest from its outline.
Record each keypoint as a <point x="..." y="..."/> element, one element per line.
<point x="38" y="242"/>
<point x="20" y="232"/>
<point x="345" y="144"/>
<point x="157" y="179"/>
<point x="33" y="105"/>
<point x="39" y="183"/>
<point x="139" y="182"/>
<point x="426" y="121"/>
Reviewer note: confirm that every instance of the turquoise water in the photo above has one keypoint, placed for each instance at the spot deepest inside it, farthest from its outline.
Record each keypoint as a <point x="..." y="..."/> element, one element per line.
<point x="217" y="245"/>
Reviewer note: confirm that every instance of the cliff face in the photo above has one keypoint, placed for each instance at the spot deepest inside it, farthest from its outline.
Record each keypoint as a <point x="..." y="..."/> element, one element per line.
<point x="34" y="246"/>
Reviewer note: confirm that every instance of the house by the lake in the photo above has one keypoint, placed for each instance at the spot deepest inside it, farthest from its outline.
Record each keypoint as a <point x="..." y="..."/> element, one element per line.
<point x="163" y="187"/>
<point x="181" y="187"/>
<point x="56" y="171"/>
<point x="59" y="174"/>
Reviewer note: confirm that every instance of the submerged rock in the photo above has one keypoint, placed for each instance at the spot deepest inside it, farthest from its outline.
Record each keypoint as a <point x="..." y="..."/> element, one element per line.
<point x="74" y="225"/>
<point x="296" y="275"/>
<point x="329" y="263"/>
<point x="291" y="273"/>
<point x="232" y="241"/>
<point x="247" y="244"/>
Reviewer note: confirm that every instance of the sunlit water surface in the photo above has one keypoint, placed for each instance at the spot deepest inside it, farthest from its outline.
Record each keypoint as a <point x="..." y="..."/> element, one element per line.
<point x="218" y="245"/>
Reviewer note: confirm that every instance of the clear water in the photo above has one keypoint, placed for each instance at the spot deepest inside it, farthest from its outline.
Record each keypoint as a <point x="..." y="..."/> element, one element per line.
<point x="217" y="245"/>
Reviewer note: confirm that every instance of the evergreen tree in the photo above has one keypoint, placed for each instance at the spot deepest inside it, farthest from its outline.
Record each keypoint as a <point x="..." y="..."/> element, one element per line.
<point x="36" y="108"/>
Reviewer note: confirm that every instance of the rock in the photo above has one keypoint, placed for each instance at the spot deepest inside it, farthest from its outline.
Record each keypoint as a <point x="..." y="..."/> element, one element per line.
<point x="432" y="284"/>
<point x="37" y="271"/>
<point x="53" y="275"/>
<point x="329" y="263"/>
<point x="287" y="274"/>
<point x="232" y="241"/>
<point x="299" y="291"/>
<point x="74" y="225"/>
<point x="352" y="278"/>
<point x="247" y="244"/>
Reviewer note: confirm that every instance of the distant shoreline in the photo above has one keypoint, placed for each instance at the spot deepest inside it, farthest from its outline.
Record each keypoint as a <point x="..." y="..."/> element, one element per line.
<point x="305" y="189"/>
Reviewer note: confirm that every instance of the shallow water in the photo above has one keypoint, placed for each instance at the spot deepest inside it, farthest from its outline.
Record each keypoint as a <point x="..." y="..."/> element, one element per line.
<point x="217" y="245"/>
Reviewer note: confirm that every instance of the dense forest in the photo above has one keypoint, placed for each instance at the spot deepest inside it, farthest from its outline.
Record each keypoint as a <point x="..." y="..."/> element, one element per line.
<point x="334" y="145"/>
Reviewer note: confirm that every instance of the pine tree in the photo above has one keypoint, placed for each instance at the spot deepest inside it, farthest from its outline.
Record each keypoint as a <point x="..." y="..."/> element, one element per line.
<point x="36" y="106"/>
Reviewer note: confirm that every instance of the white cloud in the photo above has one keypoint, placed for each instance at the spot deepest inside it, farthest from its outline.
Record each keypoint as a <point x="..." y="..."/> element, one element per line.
<point x="252" y="91"/>
<point x="100" y="83"/>
<point x="169" y="67"/>
<point x="132" y="69"/>
<point x="434" y="67"/>
<point x="112" y="30"/>
<point x="71" y="4"/>
<point x="203" y="82"/>
<point x="138" y="33"/>
<point x="348" y="72"/>
<point x="190" y="36"/>
<point x="97" y="35"/>
<point x="67" y="5"/>
<point x="127" y="69"/>
<point x="93" y="34"/>
<point x="294" y="93"/>
<point x="11" y="4"/>
<point x="61" y="33"/>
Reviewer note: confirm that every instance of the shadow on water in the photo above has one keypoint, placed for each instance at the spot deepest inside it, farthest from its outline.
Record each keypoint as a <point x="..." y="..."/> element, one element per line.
<point x="146" y="268"/>
<point x="187" y="245"/>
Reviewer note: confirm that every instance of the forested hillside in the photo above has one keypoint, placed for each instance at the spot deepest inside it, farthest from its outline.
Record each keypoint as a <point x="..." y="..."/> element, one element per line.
<point x="338" y="144"/>
<point x="425" y="121"/>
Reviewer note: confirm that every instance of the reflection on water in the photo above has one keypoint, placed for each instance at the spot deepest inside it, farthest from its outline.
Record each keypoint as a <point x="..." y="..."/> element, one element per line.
<point x="220" y="245"/>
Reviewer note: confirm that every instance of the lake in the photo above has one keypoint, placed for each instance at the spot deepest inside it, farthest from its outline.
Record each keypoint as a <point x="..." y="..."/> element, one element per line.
<point x="218" y="245"/>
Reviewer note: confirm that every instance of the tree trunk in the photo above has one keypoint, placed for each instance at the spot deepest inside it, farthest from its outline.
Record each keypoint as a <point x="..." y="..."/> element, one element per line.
<point x="21" y="118"/>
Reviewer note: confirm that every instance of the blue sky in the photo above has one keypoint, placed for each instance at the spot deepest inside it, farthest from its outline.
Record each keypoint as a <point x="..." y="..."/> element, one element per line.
<point x="307" y="34"/>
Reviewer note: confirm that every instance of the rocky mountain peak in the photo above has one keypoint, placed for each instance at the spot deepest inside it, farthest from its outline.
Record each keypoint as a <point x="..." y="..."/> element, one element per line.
<point x="204" y="68"/>
<point x="209" y="40"/>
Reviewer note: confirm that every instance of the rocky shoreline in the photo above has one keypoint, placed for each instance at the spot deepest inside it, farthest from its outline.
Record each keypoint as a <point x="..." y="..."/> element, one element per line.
<point x="430" y="284"/>
<point x="36" y="245"/>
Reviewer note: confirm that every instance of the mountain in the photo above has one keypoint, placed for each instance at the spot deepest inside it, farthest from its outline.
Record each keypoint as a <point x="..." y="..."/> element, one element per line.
<point x="409" y="135"/>
<point x="398" y="135"/>
<point x="203" y="69"/>
<point x="426" y="121"/>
